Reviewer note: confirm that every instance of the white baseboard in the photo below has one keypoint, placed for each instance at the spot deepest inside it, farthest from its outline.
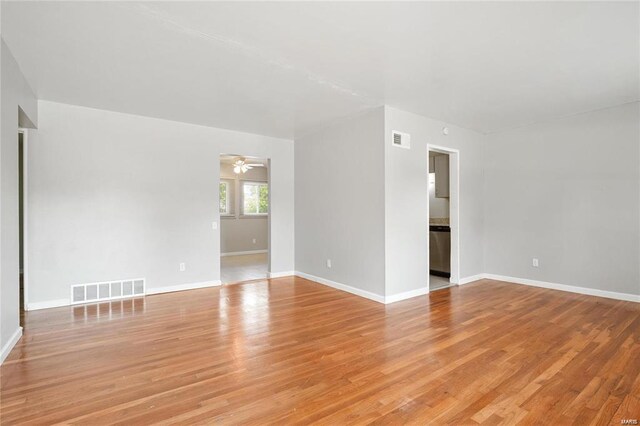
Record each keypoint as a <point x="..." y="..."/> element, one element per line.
<point x="157" y="290"/>
<point x="364" y="293"/>
<point x="472" y="278"/>
<point x="367" y="294"/>
<point x="353" y="290"/>
<point x="514" y="280"/>
<point x="182" y="287"/>
<point x="240" y="253"/>
<point x="6" y="349"/>
<point x="280" y="274"/>
<point x="406" y="295"/>
<point x="48" y="304"/>
<point x="564" y="287"/>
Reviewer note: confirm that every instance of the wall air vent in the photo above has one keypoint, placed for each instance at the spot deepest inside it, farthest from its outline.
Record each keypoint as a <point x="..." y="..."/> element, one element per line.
<point x="108" y="290"/>
<point x="401" y="140"/>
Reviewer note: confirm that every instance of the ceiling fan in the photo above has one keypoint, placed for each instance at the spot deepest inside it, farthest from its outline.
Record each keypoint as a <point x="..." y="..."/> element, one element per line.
<point x="241" y="166"/>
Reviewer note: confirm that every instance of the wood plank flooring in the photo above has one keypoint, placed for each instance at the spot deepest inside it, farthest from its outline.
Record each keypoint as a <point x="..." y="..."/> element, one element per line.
<point x="246" y="267"/>
<point x="292" y="351"/>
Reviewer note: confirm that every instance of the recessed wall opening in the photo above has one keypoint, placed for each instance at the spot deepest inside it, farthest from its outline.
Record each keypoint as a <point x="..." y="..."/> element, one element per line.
<point x="443" y="217"/>
<point x="21" y="220"/>
<point x="244" y="218"/>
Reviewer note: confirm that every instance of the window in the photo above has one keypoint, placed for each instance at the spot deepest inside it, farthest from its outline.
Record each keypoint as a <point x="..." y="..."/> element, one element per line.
<point x="255" y="198"/>
<point x="224" y="198"/>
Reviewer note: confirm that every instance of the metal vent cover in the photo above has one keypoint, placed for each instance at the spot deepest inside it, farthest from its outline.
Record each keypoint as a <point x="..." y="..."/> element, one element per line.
<point x="397" y="139"/>
<point x="107" y="290"/>
<point x="401" y="140"/>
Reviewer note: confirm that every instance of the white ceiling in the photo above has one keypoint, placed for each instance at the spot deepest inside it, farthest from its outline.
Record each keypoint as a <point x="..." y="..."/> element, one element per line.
<point x="284" y="68"/>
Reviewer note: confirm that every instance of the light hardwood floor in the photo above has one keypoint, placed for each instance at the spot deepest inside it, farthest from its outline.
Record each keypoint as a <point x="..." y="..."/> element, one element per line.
<point x="243" y="267"/>
<point x="293" y="351"/>
<point x="436" y="282"/>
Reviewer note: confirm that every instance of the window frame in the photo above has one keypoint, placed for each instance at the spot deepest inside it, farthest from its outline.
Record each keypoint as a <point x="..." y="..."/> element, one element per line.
<point x="227" y="212"/>
<point x="259" y="183"/>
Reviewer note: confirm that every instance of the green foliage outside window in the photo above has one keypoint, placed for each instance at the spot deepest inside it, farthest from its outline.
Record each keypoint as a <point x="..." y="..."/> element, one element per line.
<point x="223" y="198"/>
<point x="256" y="198"/>
<point x="264" y="199"/>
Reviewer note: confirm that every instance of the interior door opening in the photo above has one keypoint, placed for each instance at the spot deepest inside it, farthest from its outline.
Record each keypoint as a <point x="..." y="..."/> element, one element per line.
<point x="443" y="218"/>
<point x="21" y="222"/>
<point x="244" y="218"/>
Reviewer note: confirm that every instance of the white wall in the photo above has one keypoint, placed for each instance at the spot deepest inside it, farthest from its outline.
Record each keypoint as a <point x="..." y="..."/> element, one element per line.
<point x="237" y="232"/>
<point x="566" y="192"/>
<point x="339" y="187"/>
<point x="15" y="93"/>
<point x="114" y="195"/>
<point x="363" y="203"/>
<point x="406" y="195"/>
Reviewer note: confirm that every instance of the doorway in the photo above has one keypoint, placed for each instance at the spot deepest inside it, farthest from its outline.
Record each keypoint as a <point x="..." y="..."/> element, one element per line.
<point x="443" y="217"/>
<point x="244" y="218"/>
<point x="22" y="136"/>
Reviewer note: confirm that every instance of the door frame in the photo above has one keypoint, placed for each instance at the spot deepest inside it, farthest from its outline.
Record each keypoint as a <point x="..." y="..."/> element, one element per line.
<point x="25" y="204"/>
<point x="238" y="201"/>
<point x="454" y="207"/>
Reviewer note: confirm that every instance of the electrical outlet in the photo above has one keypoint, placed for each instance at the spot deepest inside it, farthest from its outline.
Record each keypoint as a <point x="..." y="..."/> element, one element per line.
<point x="214" y="225"/>
<point x="254" y="241"/>
<point x="535" y="263"/>
<point x="328" y="263"/>
<point x="183" y="267"/>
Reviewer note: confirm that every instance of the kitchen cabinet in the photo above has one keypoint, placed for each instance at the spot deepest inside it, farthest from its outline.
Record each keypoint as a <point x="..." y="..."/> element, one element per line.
<point x="441" y="166"/>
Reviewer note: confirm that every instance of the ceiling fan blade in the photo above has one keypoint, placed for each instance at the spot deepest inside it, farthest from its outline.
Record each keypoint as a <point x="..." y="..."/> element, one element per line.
<point x="256" y="165"/>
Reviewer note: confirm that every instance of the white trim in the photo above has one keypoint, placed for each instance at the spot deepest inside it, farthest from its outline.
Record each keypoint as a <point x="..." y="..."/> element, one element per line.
<point x="511" y="280"/>
<point x="553" y="286"/>
<point x="148" y="291"/>
<point x="364" y="293"/>
<point x="564" y="287"/>
<point x="242" y="253"/>
<point x="269" y="246"/>
<point x="48" y="304"/>
<point x="6" y="349"/>
<point x="406" y="295"/>
<point x="353" y="290"/>
<point x="472" y="278"/>
<point x="280" y="274"/>
<point x="25" y="206"/>
<point x="182" y="287"/>
<point x="454" y="206"/>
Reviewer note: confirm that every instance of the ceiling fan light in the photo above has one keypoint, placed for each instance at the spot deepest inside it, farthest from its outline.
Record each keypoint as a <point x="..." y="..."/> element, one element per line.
<point x="236" y="170"/>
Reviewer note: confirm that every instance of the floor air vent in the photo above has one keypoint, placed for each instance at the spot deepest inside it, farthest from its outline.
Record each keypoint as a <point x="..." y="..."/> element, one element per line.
<point x="109" y="290"/>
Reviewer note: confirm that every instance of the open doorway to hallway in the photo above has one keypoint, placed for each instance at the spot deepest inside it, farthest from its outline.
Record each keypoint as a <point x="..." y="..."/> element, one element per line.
<point x="21" y="221"/>
<point x="244" y="218"/>
<point x="439" y="222"/>
<point x="444" y="231"/>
